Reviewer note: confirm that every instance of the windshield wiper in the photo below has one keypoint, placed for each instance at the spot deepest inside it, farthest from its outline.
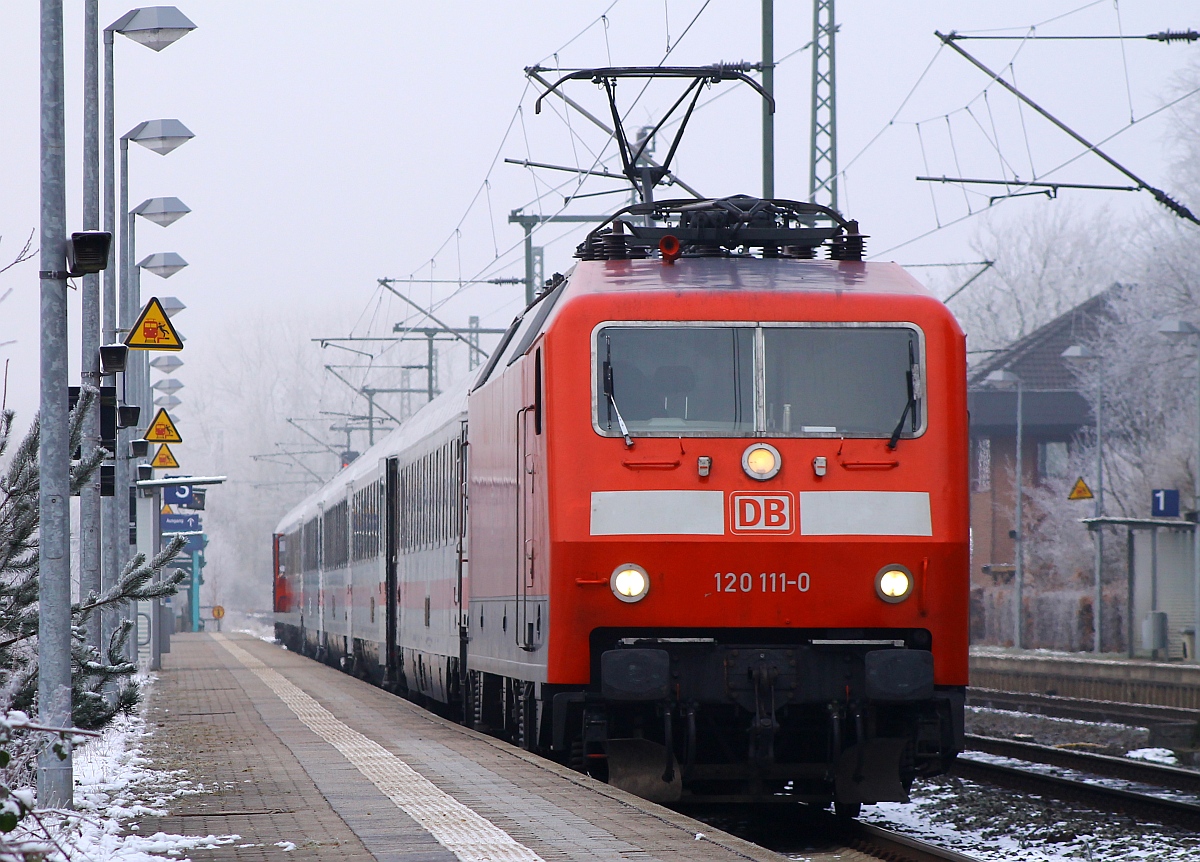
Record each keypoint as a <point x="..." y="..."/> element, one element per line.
<point x="608" y="392"/>
<point x="910" y="406"/>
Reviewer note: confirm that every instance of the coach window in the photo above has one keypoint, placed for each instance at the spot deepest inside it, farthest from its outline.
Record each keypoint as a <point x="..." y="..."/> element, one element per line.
<point x="661" y="380"/>
<point x="846" y="381"/>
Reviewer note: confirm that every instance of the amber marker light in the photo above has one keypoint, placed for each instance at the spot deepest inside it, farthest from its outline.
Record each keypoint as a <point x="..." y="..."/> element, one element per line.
<point x="761" y="461"/>
<point x="629" y="582"/>
<point x="894" y="583"/>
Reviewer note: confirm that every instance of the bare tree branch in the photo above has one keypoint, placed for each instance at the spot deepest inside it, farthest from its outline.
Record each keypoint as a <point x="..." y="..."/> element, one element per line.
<point x="26" y="253"/>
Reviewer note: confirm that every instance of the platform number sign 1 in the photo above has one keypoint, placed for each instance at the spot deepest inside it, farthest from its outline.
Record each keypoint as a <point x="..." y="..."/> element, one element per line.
<point x="1164" y="503"/>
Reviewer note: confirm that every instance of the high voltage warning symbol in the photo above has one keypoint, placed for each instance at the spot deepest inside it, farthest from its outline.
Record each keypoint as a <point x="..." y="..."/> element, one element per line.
<point x="153" y="331"/>
<point x="1080" y="491"/>
<point x="162" y="429"/>
<point x="164" y="459"/>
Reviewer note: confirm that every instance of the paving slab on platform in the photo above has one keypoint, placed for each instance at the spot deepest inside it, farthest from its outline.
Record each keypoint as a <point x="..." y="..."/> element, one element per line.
<point x="299" y="753"/>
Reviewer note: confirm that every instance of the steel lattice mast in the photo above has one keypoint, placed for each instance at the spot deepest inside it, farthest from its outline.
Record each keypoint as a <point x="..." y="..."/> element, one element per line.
<point x="822" y="175"/>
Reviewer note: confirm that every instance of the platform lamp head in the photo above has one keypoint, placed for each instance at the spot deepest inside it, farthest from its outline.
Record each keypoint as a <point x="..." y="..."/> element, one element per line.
<point x="1177" y="330"/>
<point x="161" y="136"/>
<point x="1003" y="378"/>
<point x="156" y="27"/>
<point x="162" y="211"/>
<point x="163" y="264"/>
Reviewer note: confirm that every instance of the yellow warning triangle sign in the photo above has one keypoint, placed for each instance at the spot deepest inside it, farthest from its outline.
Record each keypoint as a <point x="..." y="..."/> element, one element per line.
<point x="164" y="459"/>
<point x="162" y="429"/>
<point x="153" y="331"/>
<point x="167" y="510"/>
<point x="1080" y="491"/>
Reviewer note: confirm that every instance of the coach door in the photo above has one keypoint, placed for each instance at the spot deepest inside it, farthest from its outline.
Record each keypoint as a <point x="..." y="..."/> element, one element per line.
<point x="391" y="581"/>
<point x="529" y="427"/>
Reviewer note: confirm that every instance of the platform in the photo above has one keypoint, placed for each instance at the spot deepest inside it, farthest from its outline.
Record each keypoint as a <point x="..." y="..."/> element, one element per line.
<point x="1081" y="675"/>
<point x="301" y="754"/>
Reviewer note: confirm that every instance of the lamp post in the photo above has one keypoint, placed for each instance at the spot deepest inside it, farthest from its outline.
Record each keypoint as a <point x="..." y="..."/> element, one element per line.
<point x="1082" y="353"/>
<point x="1179" y="330"/>
<point x="54" y="776"/>
<point x="90" y="541"/>
<point x="160" y="136"/>
<point x="1006" y="378"/>
<point x="156" y="28"/>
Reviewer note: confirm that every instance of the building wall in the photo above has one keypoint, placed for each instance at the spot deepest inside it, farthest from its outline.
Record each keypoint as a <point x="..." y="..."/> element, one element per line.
<point x="1059" y="617"/>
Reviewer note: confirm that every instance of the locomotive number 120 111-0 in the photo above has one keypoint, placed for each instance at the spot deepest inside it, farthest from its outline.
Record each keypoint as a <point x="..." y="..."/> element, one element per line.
<point x="766" y="582"/>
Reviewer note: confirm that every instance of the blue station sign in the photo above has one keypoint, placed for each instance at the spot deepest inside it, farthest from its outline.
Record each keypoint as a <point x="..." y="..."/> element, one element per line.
<point x="1164" y="503"/>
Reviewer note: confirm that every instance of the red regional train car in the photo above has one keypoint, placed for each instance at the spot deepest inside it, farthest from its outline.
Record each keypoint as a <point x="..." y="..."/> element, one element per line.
<point x="698" y="527"/>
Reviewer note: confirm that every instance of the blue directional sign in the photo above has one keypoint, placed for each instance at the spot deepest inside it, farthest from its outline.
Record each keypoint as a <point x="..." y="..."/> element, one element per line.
<point x="1164" y="503"/>
<point x="178" y="495"/>
<point x="178" y="523"/>
<point x="195" y="543"/>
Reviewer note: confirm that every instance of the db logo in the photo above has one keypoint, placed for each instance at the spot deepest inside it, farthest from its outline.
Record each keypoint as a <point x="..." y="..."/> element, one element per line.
<point x="762" y="513"/>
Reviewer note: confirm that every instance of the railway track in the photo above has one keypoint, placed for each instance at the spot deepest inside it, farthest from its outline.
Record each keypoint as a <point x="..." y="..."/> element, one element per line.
<point x="1054" y="706"/>
<point x="893" y="846"/>
<point x="1164" y="793"/>
<point x="798" y="829"/>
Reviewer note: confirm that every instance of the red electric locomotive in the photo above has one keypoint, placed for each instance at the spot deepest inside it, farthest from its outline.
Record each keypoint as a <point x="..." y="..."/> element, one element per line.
<point x="713" y="542"/>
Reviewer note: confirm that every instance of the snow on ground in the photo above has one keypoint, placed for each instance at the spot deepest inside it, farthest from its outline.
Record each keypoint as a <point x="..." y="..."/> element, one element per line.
<point x="115" y="785"/>
<point x="1154" y="755"/>
<point x="259" y="624"/>
<point x="998" y="825"/>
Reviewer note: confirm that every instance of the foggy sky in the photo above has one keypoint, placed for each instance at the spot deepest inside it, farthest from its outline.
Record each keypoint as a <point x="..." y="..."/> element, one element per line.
<point x="338" y="143"/>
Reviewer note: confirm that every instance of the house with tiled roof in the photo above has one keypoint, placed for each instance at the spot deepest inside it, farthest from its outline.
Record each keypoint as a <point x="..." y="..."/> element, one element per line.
<point x="1055" y="413"/>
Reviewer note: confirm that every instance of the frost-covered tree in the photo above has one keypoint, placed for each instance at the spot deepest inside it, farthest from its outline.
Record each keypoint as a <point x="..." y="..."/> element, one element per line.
<point x="1048" y="259"/>
<point x="102" y="684"/>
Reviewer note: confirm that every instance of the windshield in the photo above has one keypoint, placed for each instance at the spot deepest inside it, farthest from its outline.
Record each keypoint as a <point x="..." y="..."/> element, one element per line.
<point x="818" y="380"/>
<point x="663" y="380"/>
<point x="850" y="381"/>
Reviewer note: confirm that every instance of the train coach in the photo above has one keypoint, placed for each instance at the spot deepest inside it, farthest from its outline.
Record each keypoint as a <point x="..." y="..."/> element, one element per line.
<point x="697" y="527"/>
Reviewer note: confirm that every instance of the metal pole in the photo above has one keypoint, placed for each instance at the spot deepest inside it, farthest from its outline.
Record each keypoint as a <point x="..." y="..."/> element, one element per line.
<point x="194" y="591"/>
<point x="113" y="526"/>
<point x="528" y="225"/>
<point x="823" y="164"/>
<point x="125" y="471"/>
<point x="429" y="333"/>
<point x="1129" y="575"/>
<point x="768" y="82"/>
<point x="1019" y="574"/>
<point x="473" y="337"/>
<point x="1098" y="597"/>
<point x="1196" y="505"/>
<point x="1154" y="576"/>
<point x="55" y="782"/>
<point x="89" y="494"/>
<point x="370" y="417"/>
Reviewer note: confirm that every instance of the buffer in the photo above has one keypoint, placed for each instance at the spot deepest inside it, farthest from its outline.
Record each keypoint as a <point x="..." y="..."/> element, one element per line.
<point x="164" y="459"/>
<point x="162" y="429"/>
<point x="152" y="330"/>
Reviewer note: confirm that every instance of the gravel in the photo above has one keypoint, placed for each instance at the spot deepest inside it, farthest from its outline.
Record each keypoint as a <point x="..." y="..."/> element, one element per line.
<point x="1104" y="738"/>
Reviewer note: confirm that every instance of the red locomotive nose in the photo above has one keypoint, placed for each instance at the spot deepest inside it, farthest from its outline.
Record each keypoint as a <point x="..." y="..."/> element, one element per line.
<point x="669" y="246"/>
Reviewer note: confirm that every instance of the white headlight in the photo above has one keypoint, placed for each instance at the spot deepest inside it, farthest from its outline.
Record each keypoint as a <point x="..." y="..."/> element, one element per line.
<point x="893" y="583"/>
<point x="761" y="461"/>
<point x="629" y="582"/>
